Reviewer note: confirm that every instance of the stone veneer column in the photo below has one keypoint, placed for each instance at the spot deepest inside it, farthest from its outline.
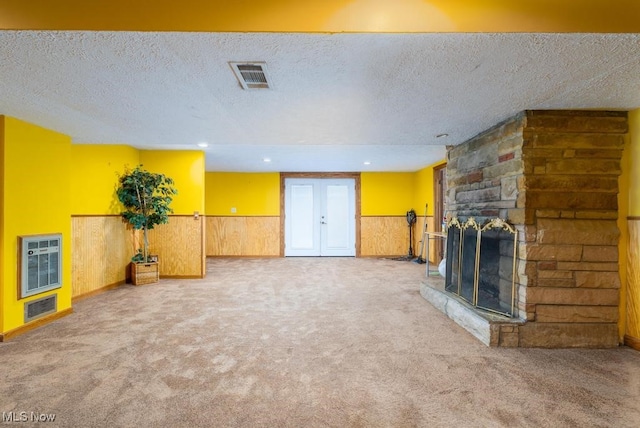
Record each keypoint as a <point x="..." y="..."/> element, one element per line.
<point x="554" y="176"/>
<point x="569" y="192"/>
<point x="485" y="181"/>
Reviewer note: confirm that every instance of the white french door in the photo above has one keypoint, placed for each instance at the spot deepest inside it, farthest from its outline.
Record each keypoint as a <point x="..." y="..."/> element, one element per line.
<point x="320" y="217"/>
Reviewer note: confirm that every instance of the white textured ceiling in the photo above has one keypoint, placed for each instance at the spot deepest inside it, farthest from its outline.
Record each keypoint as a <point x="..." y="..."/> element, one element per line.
<point x="336" y="101"/>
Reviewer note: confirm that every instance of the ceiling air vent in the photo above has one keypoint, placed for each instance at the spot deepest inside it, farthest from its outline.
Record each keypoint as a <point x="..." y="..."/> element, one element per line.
<point x="251" y="75"/>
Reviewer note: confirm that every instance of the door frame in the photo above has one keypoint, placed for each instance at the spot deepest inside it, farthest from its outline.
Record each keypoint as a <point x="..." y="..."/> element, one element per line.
<point x="354" y="175"/>
<point x="439" y="202"/>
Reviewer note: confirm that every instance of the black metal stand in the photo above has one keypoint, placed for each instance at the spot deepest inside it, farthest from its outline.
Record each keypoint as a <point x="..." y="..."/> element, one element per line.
<point x="411" y="220"/>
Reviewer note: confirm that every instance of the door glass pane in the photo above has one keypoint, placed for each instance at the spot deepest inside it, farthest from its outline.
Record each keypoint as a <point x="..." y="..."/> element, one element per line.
<point x="302" y="216"/>
<point x="337" y="208"/>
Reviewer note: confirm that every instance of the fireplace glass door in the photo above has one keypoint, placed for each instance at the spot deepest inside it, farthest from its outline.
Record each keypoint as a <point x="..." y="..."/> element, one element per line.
<point x="481" y="264"/>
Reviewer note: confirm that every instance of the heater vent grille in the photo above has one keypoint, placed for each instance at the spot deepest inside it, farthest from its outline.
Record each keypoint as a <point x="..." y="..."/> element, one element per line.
<point x="38" y="308"/>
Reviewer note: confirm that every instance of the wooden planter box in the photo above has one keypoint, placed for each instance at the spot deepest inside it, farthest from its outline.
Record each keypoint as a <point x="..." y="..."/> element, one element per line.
<point x="145" y="273"/>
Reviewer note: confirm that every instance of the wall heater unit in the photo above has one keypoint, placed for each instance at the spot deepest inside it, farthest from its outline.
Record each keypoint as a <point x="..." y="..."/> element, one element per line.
<point x="40" y="264"/>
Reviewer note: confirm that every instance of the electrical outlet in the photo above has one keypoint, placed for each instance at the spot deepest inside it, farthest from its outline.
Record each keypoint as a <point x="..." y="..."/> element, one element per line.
<point x="233" y="210"/>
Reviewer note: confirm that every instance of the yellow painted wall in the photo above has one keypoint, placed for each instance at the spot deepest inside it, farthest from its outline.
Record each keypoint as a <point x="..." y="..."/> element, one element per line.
<point x="634" y="163"/>
<point x="255" y="194"/>
<point x="387" y="193"/>
<point x="36" y="200"/>
<point x="623" y="212"/>
<point x="324" y="15"/>
<point x="629" y="205"/>
<point x="94" y="177"/>
<point x="423" y="189"/>
<point x="2" y="261"/>
<point x="186" y="168"/>
<point x="252" y="194"/>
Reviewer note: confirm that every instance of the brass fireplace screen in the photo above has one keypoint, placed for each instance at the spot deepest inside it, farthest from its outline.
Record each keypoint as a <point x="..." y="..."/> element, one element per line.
<point x="481" y="264"/>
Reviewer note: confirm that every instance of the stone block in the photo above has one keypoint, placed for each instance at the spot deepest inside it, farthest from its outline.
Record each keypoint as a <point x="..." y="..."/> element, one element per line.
<point x="474" y="177"/>
<point x="476" y="209"/>
<point x="571" y="200"/>
<point x="548" y="213"/>
<point x="595" y="279"/>
<point x="582" y="121"/>
<point x="505" y="157"/>
<point x="555" y="282"/>
<point x="509" y="340"/>
<point x="494" y="335"/>
<point x="480" y="157"/>
<point x="568" y="335"/>
<point x="577" y="314"/>
<point x="600" y="214"/>
<point x="584" y="167"/>
<point x="577" y="232"/>
<point x="573" y="296"/>
<point x="542" y="154"/>
<point x="482" y="195"/>
<point x="565" y="253"/>
<point x="598" y="154"/>
<point x="511" y="143"/>
<point x="565" y="182"/>
<point x="579" y="266"/>
<point x="574" y="141"/>
<point x="556" y="274"/>
<point x="509" y="188"/>
<point x="548" y="265"/>
<point x="508" y="168"/>
<point x="600" y="253"/>
<point x="541" y="170"/>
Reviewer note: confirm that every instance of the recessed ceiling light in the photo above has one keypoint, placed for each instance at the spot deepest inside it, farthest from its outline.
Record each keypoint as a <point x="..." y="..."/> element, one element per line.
<point x="442" y="135"/>
<point x="367" y="163"/>
<point x="203" y="145"/>
<point x="266" y="160"/>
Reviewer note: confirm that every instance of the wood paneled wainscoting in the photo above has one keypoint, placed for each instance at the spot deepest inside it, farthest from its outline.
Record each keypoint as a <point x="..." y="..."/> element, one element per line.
<point x="240" y="236"/>
<point x="180" y="246"/>
<point x="101" y="250"/>
<point x="632" y="336"/>
<point x="388" y="236"/>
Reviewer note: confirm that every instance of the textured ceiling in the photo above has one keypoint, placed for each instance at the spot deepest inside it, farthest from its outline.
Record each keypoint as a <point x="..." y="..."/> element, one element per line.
<point x="336" y="101"/>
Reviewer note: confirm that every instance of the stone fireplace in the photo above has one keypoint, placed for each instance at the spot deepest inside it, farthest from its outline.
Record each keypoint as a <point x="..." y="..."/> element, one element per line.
<point x="553" y="177"/>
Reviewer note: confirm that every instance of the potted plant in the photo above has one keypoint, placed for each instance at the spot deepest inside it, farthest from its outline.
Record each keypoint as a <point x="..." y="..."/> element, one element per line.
<point x="146" y="197"/>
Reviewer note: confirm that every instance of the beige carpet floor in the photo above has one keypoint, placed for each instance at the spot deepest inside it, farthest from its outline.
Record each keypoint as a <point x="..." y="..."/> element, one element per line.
<point x="300" y="342"/>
